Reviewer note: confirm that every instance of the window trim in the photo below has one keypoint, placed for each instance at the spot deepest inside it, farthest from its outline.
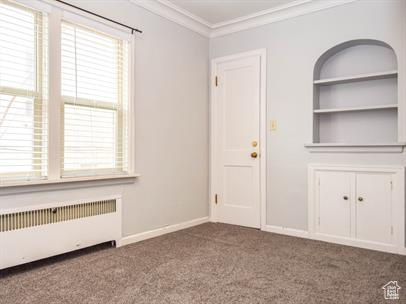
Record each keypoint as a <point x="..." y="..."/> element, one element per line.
<point x="55" y="174"/>
<point x="117" y="107"/>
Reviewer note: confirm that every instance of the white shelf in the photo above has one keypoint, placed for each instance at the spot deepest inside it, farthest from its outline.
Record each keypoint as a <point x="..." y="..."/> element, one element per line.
<point x="356" y="148"/>
<point x="356" y="145"/>
<point x="356" y="78"/>
<point x="352" y="109"/>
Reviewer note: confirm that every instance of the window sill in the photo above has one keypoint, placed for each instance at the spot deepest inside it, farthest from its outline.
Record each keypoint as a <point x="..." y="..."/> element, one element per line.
<point x="63" y="183"/>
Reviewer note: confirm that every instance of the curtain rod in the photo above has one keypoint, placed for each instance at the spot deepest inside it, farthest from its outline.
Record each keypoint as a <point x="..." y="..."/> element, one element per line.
<point x="97" y="15"/>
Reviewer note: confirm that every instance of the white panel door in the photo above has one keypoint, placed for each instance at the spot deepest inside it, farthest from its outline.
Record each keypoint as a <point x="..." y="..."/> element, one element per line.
<point x="374" y="207"/>
<point x="236" y="142"/>
<point x="334" y="205"/>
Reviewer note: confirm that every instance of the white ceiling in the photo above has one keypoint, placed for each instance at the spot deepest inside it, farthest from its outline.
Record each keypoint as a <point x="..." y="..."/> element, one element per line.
<point x="218" y="11"/>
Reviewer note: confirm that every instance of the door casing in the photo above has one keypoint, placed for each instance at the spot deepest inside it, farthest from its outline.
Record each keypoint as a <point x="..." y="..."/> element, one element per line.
<point x="263" y="129"/>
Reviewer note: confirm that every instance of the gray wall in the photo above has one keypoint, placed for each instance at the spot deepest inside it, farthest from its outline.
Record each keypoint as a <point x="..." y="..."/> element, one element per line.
<point x="293" y="46"/>
<point x="171" y="114"/>
<point x="171" y="121"/>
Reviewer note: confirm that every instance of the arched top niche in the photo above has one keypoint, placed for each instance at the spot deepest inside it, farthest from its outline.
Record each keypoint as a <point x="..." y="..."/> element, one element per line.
<point x="355" y="57"/>
<point x="355" y="94"/>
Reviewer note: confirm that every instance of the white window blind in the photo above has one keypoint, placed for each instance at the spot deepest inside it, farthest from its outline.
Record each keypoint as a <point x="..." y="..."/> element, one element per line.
<point x="23" y="92"/>
<point x="87" y="112"/>
<point x="95" y="96"/>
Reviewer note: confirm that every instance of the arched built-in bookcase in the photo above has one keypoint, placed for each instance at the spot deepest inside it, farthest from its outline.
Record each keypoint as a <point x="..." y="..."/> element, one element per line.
<point x="355" y="100"/>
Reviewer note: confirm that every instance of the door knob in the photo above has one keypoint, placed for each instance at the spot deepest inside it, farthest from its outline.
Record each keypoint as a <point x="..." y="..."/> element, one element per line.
<point x="345" y="197"/>
<point x="360" y="199"/>
<point x="254" y="154"/>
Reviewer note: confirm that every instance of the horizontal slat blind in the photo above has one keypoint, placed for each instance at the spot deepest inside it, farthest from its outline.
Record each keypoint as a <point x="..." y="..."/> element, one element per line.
<point x="95" y="92"/>
<point x="23" y="92"/>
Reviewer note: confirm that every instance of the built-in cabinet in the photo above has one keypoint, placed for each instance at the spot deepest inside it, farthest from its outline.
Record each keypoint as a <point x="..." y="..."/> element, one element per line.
<point x="360" y="206"/>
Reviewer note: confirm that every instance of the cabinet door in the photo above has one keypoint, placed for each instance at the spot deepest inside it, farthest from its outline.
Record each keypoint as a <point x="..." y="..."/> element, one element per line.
<point x="374" y="207"/>
<point x="334" y="206"/>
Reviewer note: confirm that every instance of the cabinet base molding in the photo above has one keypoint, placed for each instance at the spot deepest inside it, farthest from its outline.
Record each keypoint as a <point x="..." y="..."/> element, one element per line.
<point x="359" y="243"/>
<point x="334" y="240"/>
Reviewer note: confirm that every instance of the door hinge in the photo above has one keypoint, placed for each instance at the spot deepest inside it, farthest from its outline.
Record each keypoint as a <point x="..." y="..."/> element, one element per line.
<point x="391" y="185"/>
<point x="318" y="181"/>
<point x="216" y="81"/>
<point x="319" y="221"/>
<point x="391" y="230"/>
<point x="215" y="199"/>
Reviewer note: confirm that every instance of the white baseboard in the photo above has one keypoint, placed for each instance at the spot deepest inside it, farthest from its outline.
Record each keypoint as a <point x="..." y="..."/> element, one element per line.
<point x="335" y="240"/>
<point x="268" y="228"/>
<point x="160" y="231"/>
<point x="358" y="243"/>
<point x="286" y="231"/>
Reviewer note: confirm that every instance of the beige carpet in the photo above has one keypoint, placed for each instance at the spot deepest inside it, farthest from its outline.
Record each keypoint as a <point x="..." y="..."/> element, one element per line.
<point x="210" y="263"/>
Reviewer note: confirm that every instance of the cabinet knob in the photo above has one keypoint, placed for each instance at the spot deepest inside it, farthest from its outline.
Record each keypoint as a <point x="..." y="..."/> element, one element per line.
<point x="360" y="199"/>
<point x="345" y="197"/>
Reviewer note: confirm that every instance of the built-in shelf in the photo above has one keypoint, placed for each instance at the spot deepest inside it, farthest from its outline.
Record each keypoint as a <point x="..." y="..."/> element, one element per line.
<point x="356" y="78"/>
<point x="362" y="114"/>
<point x="356" y="145"/>
<point x="356" y="148"/>
<point x="351" y="109"/>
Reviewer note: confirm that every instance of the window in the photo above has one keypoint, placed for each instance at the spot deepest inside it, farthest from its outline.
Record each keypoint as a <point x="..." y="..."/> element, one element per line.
<point x="23" y="93"/>
<point x="94" y="87"/>
<point x="93" y="103"/>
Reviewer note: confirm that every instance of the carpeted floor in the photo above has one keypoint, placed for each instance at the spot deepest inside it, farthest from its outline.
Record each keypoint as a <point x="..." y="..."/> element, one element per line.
<point x="210" y="263"/>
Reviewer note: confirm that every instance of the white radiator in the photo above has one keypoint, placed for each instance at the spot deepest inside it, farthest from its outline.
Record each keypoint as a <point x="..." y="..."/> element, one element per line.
<point x="29" y="234"/>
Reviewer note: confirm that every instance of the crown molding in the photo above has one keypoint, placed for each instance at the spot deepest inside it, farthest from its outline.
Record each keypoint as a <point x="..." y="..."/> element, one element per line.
<point x="295" y="9"/>
<point x="172" y="12"/>
<point x="260" y="13"/>
<point x="175" y="14"/>
<point x="185" y="12"/>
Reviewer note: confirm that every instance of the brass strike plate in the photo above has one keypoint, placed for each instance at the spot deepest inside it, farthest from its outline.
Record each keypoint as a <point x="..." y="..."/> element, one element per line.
<point x="254" y="143"/>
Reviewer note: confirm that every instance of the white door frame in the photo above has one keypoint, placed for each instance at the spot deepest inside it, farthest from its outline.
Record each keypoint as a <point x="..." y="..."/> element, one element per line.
<point x="263" y="128"/>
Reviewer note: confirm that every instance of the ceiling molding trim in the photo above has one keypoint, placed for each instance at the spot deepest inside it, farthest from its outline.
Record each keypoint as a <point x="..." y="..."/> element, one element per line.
<point x="260" y="13"/>
<point x="174" y="13"/>
<point x="185" y="12"/>
<point x="275" y="15"/>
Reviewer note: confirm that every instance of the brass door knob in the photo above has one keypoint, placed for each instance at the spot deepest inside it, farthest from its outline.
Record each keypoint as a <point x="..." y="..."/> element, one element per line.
<point x="360" y="199"/>
<point x="345" y="197"/>
<point x="254" y="154"/>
